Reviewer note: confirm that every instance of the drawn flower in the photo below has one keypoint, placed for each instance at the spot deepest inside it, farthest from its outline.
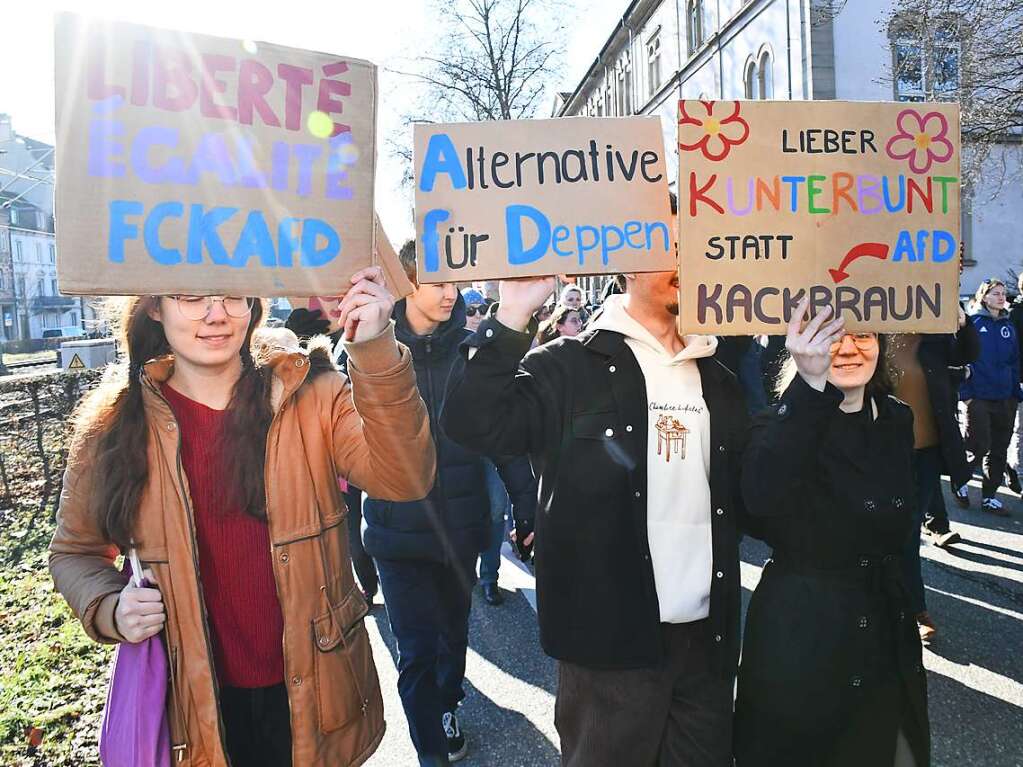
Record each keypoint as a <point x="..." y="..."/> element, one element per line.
<point x="712" y="134"/>
<point x="922" y="139"/>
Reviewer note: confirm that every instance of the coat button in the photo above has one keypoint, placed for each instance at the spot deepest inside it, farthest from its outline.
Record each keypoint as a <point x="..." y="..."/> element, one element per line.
<point x="721" y="448"/>
<point x="489" y="333"/>
<point x="856" y="681"/>
<point x="869" y="505"/>
<point x="609" y="432"/>
<point x="285" y="557"/>
<point x="296" y="680"/>
<point x="863" y="622"/>
<point x="717" y="637"/>
<point x="720" y="512"/>
<point x="719" y="574"/>
<point x="628" y="428"/>
<point x="646" y="557"/>
<point x="864" y="562"/>
<point x="897" y="502"/>
<point x="637" y="494"/>
<point x="783" y="409"/>
<point x="612" y="368"/>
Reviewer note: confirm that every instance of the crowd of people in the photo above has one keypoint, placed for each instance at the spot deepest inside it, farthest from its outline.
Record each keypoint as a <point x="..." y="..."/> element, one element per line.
<point x="246" y="467"/>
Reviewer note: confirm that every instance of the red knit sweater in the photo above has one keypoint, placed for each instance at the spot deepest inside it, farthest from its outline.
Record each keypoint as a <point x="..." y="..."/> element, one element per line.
<point x="235" y="564"/>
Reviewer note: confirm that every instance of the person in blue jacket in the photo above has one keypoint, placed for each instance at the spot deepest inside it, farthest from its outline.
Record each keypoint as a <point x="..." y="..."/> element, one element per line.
<point x="991" y="391"/>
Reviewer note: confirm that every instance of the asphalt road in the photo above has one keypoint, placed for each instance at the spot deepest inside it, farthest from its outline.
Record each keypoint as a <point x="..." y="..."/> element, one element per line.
<point x="975" y="664"/>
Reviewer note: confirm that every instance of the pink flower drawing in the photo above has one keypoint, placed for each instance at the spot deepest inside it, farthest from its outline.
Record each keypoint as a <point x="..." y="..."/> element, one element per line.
<point x="714" y="135"/>
<point x="922" y="139"/>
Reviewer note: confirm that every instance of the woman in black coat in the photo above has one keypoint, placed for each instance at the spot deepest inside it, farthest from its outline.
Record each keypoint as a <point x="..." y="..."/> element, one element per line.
<point x="831" y="671"/>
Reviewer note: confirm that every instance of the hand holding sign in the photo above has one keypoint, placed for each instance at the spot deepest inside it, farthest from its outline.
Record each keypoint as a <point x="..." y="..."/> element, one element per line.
<point x="366" y="308"/>
<point x="520" y="299"/>
<point x="810" y="347"/>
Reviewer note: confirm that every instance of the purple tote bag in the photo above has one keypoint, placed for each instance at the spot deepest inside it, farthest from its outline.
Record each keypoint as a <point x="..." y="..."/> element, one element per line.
<point x="134" y="731"/>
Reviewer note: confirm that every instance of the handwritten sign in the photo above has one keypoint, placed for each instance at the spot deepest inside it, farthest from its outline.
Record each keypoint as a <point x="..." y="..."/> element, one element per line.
<point x="197" y="164"/>
<point x="395" y="279"/>
<point x="525" y="198"/>
<point x="857" y="203"/>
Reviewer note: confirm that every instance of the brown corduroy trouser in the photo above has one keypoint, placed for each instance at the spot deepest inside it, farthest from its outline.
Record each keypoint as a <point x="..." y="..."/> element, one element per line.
<point x="676" y="715"/>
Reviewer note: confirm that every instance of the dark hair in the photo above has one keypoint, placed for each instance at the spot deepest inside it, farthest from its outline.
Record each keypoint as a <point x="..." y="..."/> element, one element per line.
<point x="549" y="327"/>
<point x="881" y="384"/>
<point x="113" y="417"/>
<point x="407" y="257"/>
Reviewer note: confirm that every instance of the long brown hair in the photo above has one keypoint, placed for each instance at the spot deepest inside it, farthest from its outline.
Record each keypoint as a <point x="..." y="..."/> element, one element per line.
<point x="113" y="416"/>
<point x="548" y="330"/>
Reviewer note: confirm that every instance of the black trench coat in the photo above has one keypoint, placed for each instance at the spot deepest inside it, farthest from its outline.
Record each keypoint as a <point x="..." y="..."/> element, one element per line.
<point x="831" y="658"/>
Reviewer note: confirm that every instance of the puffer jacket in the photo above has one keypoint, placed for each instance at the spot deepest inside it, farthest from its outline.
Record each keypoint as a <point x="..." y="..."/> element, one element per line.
<point x="375" y="430"/>
<point x="453" y="520"/>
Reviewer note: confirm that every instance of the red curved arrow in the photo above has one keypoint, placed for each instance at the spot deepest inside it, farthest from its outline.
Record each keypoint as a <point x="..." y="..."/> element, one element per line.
<point x="872" y="249"/>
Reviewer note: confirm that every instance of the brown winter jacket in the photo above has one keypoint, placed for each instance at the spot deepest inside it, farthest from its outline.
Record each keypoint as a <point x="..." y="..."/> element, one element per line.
<point x="374" y="431"/>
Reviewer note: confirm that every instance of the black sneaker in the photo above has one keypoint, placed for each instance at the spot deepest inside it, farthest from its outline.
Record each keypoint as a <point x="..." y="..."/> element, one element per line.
<point x="1012" y="480"/>
<point x="457" y="747"/>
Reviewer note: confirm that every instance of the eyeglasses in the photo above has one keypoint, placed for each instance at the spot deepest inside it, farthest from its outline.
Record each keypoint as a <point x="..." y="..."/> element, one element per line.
<point x="472" y="311"/>
<point x="863" y="341"/>
<point x="199" y="307"/>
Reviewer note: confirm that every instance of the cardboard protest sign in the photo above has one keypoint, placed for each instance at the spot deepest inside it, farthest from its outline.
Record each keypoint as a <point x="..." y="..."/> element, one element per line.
<point x="395" y="279"/>
<point x="521" y="198"/>
<point x="196" y="164"/>
<point x="857" y="203"/>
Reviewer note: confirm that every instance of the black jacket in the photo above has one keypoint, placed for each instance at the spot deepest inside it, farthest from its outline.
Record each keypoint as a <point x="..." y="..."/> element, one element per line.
<point x="578" y="408"/>
<point x="454" y="519"/>
<point x="829" y="636"/>
<point x="938" y="353"/>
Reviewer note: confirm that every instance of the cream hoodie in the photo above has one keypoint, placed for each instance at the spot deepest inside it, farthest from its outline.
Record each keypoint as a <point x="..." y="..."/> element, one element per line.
<point x="678" y="465"/>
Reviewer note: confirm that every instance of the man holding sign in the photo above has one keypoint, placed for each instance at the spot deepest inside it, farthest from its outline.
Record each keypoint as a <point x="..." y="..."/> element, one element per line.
<point x="636" y="434"/>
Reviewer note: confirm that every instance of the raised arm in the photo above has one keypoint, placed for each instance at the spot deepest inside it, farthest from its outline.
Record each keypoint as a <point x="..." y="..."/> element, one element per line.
<point x="785" y="438"/>
<point x="504" y="404"/>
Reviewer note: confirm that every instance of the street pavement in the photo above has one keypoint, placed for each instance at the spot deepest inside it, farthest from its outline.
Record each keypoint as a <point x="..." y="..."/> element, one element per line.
<point x="975" y="665"/>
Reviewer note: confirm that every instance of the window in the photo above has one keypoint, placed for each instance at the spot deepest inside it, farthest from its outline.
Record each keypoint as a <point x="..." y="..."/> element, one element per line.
<point x="39" y="251"/>
<point x="758" y="76"/>
<point x="925" y="59"/>
<point x="18" y="247"/>
<point x="14" y="217"/>
<point x="653" y="62"/>
<point x="765" y="76"/>
<point x="53" y="288"/>
<point x="21" y="287"/>
<point x="74" y="318"/>
<point x="3" y="282"/>
<point x="39" y="287"/>
<point x="751" y="82"/>
<point x="624" y="86"/>
<point x="53" y="253"/>
<point x="694" y="23"/>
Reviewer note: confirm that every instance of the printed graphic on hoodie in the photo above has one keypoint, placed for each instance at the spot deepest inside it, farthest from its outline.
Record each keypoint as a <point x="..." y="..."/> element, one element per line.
<point x="671" y="437"/>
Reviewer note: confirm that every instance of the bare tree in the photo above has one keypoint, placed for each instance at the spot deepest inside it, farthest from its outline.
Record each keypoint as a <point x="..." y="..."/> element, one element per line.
<point x="494" y="61"/>
<point x="969" y="51"/>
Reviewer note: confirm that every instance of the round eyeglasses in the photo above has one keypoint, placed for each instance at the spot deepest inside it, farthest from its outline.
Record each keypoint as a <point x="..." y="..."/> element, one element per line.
<point x="863" y="341"/>
<point x="199" y="307"/>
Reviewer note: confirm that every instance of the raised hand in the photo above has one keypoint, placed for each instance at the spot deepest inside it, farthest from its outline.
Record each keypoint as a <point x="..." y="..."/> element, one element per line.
<point x="366" y="308"/>
<point x="520" y="298"/>
<point x="810" y="346"/>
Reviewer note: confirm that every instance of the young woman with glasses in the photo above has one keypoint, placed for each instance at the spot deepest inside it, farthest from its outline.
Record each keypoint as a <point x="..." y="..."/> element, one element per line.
<point x="831" y="671"/>
<point x="213" y="450"/>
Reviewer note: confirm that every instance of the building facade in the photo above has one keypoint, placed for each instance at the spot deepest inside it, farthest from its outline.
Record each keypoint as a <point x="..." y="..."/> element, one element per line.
<point x="29" y="299"/>
<point x="663" y="50"/>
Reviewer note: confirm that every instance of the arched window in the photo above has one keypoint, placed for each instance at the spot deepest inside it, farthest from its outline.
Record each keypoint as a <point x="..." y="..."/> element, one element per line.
<point x="694" y="21"/>
<point x="751" y="81"/>
<point x="765" y="76"/>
